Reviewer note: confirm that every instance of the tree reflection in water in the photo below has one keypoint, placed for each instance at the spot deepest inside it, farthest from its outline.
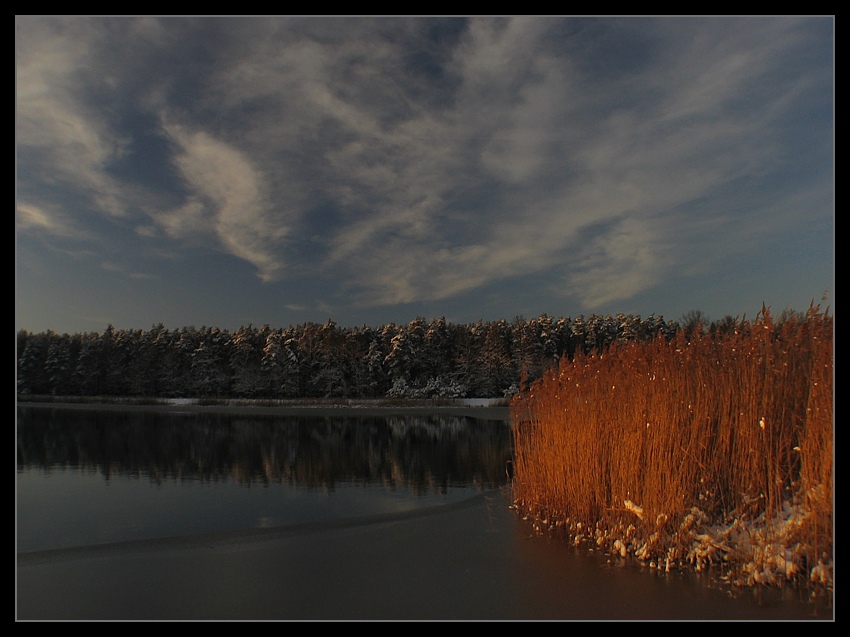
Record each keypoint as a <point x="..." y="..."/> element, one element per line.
<point x="421" y="453"/>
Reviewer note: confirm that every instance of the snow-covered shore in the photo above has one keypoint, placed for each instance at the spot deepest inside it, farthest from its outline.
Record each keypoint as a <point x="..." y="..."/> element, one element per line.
<point x="743" y="552"/>
<point x="481" y="408"/>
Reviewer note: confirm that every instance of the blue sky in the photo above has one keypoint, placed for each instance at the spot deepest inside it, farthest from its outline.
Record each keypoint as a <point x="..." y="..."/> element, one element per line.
<point x="272" y="170"/>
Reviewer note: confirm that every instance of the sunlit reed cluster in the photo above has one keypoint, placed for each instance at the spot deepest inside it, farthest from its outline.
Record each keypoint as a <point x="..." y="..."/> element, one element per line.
<point x="648" y="445"/>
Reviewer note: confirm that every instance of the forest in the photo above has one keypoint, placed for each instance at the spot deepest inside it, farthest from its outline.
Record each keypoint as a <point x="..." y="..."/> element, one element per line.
<point x="421" y="359"/>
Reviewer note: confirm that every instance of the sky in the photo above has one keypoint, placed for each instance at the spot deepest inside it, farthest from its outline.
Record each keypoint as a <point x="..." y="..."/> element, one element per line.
<point x="226" y="171"/>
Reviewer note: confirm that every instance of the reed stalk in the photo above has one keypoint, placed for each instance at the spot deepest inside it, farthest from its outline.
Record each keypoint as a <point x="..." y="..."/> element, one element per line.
<point x="648" y="447"/>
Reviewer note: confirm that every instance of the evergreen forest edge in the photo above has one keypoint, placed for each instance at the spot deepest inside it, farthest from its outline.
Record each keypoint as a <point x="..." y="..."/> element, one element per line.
<point x="433" y="359"/>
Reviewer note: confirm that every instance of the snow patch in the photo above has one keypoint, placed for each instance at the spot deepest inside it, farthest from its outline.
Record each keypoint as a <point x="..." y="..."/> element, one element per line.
<point x="765" y="550"/>
<point x="480" y="402"/>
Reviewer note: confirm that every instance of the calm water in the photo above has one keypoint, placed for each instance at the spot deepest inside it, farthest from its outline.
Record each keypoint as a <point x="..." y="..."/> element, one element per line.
<point x="362" y="517"/>
<point x="103" y="476"/>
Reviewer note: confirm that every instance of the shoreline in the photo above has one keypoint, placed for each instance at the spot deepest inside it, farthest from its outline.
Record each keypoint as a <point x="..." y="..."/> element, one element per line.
<point x="483" y="412"/>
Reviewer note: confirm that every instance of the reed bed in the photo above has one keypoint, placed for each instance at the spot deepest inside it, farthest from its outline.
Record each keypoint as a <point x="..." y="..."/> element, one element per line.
<point x="713" y="449"/>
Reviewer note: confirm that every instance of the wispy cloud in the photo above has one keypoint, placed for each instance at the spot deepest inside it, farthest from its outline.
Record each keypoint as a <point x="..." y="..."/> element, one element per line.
<point x="59" y="130"/>
<point x="227" y="198"/>
<point x="37" y="219"/>
<point x="627" y="258"/>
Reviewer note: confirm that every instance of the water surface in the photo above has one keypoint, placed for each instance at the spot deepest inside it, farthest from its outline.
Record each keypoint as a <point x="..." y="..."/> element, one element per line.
<point x="134" y="514"/>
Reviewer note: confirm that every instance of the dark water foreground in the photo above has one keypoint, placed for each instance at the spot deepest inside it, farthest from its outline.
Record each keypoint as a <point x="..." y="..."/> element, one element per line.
<point x="468" y="561"/>
<point x="141" y="518"/>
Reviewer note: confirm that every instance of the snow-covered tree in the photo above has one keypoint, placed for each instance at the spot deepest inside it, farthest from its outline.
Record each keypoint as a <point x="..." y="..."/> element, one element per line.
<point x="406" y="345"/>
<point x="32" y="354"/>
<point x="494" y="361"/>
<point x="90" y="369"/>
<point x="210" y="369"/>
<point x="246" y="355"/>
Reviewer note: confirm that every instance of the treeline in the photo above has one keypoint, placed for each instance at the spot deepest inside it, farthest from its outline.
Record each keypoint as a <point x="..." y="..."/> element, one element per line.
<point x="421" y="359"/>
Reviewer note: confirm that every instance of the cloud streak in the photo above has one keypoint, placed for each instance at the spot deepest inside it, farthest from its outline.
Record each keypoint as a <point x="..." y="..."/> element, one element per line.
<point x="58" y="127"/>
<point x="226" y="196"/>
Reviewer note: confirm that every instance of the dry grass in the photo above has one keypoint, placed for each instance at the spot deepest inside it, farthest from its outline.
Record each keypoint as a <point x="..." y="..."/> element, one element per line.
<point x="649" y="444"/>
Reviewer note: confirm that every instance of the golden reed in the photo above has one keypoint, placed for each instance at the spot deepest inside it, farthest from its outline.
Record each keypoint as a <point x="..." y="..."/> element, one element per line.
<point x="648" y="444"/>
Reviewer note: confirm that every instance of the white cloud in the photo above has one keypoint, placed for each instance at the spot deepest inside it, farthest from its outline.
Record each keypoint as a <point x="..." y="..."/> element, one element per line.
<point x="71" y="140"/>
<point x="228" y="199"/>
<point x="626" y="259"/>
<point x="32" y="218"/>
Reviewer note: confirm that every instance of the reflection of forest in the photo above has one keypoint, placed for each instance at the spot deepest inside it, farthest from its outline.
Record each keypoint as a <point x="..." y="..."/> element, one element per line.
<point x="420" y="453"/>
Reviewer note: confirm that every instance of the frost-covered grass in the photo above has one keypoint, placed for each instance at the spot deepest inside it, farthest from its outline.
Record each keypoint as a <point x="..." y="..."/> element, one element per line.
<point x="713" y="453"/>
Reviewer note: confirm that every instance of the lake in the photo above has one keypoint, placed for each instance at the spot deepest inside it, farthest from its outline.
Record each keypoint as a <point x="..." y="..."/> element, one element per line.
<point x="312" y="514"/>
